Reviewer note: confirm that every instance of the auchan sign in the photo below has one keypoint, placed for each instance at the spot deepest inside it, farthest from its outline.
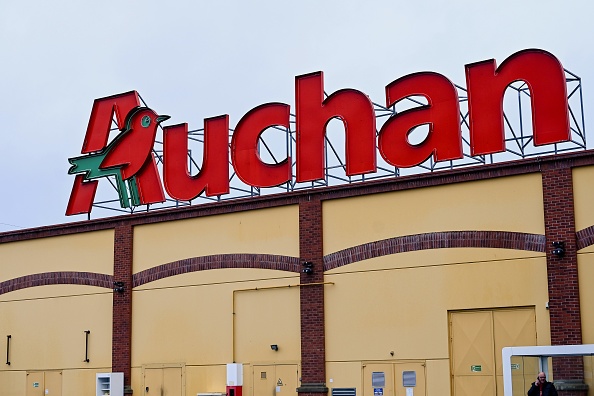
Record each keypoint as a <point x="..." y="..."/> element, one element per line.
<point x="129" y="158"/>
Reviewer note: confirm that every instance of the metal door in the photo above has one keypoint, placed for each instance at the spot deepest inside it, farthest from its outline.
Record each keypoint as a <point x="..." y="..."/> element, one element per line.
<point x="271" y="380"/>
<point x="153" y="382"/>
<point x="515" y="327"/>
<point x="287" y="378"/>
<point x="163" y="381"/>
<point x="263" y="380"/>
<point x="41" y="383"/>
<point x="172" y="381"/>
<point x="409" y="379"/>
<point x="472" y="358"/>
<point x="53" y="383"/>
<point x="378" y="379"/>
<point x="476" y="340"/>
<point x="35" y="384"/>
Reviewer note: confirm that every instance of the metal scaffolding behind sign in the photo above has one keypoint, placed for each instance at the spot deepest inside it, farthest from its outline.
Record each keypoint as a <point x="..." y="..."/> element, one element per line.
<point x="276" y="144"/>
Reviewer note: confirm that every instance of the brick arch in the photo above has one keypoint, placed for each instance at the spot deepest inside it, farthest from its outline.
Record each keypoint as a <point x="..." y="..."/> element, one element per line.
<point x="242" y="260"/>
<point x="57" y="278"/>
<point x="436" y="240"/>
<point x="585" y="237"/>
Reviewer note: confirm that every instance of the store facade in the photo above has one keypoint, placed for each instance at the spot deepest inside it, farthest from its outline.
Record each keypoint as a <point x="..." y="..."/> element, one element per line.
<point x="430" y="274"/>
<point x="405" y="285"/>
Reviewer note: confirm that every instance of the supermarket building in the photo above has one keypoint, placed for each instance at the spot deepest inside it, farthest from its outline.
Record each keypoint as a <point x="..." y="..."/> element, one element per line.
<point x="402" y="285"/>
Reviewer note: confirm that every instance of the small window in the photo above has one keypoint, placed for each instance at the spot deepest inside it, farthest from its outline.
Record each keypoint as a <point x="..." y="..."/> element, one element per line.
<point x="263" y="375"/>
<point x="409" y="379"/>
<point x="378" y="379"/>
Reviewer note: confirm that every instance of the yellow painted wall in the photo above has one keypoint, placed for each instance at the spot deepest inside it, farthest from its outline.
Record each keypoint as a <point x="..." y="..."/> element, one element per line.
<point x="344" y="375"/>
<point x="583" y="192"/>
<point x="438" y="377"/>
<point x="205" y="379"/>
<point x="400" y="303"/>
<point x="586" y="275"/>
<point x="47" y="323"/>
<point x="265" y="317"/>
<point x="81" y="382"/>
<point x="194" y="324"/>
<point x="198" y="379"/>
<point x="583" y="189"/>
<point x="86" y="252"/>
<point x="205" y="319"/>
<point x="48" y="333"/>
<point x="13" y="383"/>
<point x="264" y="231"/>
<point x="589" y="374"/>
<point x="503" y="204"/>
<point x="136" y="380"/>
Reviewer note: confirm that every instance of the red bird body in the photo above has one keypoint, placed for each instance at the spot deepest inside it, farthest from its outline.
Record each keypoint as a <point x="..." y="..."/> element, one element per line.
<point x="132" y="147"/>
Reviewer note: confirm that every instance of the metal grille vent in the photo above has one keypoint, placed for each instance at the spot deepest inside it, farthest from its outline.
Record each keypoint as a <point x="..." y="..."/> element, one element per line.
<point x="344" y="391"/>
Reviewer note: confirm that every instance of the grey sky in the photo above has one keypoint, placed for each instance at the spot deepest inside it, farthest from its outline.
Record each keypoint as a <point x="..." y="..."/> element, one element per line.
<point x="198" y="59"/>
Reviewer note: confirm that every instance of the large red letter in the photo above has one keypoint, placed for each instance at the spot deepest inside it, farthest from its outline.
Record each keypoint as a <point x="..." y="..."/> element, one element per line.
<point x="101" y="116"/>
<point x="313" y="113"/>
<point x="441" y="114"/>
<point x="83" y="193"/>
<point x="544" y="76"/>
<point x="244" y="146"/>
<point x="214" y="175"/>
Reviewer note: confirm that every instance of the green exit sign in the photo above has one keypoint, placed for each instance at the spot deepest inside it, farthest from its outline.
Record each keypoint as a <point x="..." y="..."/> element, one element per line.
<point x="476" y="368"/>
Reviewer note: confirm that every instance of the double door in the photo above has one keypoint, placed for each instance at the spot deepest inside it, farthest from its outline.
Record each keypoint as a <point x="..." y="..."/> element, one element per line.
<point x="41" y="383"/>
<point x="163" y="381"/>
<point x="394" y="379"/>
<point x="275" y="380"/>
<point x="476" y="340"/>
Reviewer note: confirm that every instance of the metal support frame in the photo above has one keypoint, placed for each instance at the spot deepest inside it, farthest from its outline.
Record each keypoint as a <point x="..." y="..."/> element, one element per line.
<point x="278" y="143"/>
<point x="543" y="353"/>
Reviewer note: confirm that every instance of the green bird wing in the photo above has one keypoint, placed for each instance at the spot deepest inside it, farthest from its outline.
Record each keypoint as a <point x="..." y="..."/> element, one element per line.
<point x="89" y="165"/>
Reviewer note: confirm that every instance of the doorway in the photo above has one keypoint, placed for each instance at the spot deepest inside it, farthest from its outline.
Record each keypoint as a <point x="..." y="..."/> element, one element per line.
<point x="476" y="340"/>
<point x="163" y="380"/>
<point x="41" y="383"/>
<point x="394" y="379"/>
<point x="275" y="380"/>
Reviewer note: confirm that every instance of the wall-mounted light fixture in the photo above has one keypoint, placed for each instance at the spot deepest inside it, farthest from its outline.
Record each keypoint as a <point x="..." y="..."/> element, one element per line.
<point x="558" y="248"/>
<point x="307" y="267"/>
<point x="274" y="347"/>
<point x="8" y="337"/>
<point x="87" y="332"/>
<point x="118" y="287"/>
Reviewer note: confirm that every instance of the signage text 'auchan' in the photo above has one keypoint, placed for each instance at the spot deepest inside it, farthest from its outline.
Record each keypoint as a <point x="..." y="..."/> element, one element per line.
<point x="129" y="157"/>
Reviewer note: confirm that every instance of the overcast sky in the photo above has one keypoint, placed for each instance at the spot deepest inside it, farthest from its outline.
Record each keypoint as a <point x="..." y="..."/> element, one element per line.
<point x="198" y="59"/>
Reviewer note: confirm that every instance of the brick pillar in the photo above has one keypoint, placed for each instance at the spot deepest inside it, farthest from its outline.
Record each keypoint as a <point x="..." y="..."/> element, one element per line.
<point x="562" y="273"/>
<point x="313" y="348"/>
<point x="121" y="358"/>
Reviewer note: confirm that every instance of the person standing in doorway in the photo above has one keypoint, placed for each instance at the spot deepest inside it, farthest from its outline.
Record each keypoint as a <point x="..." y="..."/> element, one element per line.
<point x="541" y="387"/>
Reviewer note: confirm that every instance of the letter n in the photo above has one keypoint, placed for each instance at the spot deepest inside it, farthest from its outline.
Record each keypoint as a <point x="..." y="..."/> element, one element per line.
<point x="545" y="78"/>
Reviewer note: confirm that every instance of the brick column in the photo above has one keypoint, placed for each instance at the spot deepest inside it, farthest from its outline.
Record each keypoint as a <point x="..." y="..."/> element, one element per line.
<point x="121" y="358"/>
<point x="562" y="274"/>
<point x="313" y="348"/>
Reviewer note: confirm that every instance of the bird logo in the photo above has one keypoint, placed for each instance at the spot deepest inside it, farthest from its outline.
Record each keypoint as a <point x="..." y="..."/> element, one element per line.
<point x="125" y="157"/>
